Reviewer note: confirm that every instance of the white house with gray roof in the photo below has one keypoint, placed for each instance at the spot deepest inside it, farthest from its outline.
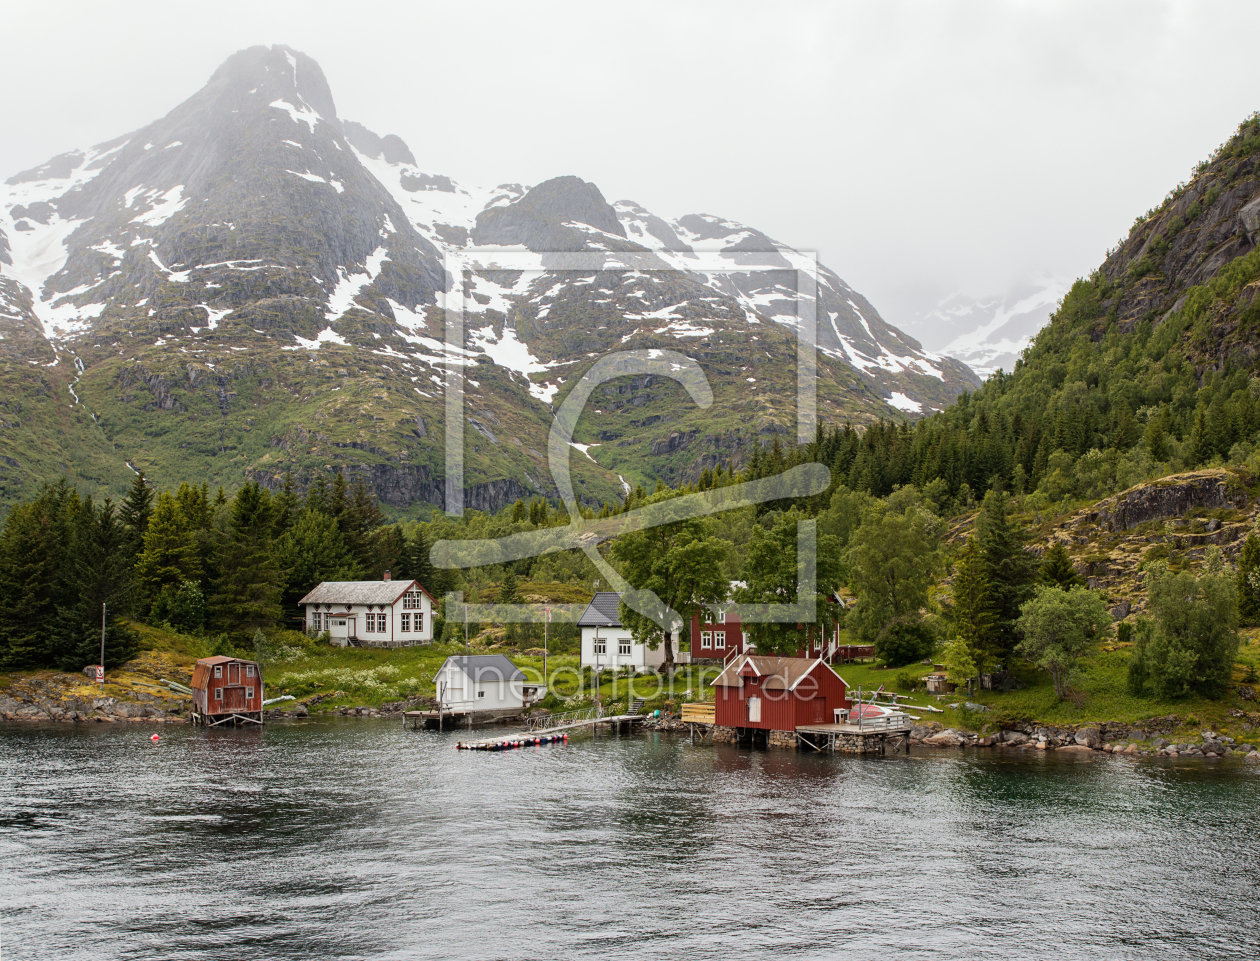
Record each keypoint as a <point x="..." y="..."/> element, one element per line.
<point x="608" y="645"/>
<point x="384" y="613"/>
<point x="469" y="683"/>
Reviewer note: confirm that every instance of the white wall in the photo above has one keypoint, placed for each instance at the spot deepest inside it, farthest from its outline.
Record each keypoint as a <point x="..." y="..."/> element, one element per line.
<point x="461" y="693"/>
<point x="640" y="657"/>
<point x="393" y="633"/>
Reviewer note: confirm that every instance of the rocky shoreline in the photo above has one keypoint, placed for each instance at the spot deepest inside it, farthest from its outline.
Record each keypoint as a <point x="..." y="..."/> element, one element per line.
<point x="1156" y="737"/>
<point x="1109" y="738"/>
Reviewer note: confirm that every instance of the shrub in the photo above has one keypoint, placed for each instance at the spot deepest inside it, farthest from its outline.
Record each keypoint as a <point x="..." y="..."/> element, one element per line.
<point x="1190" y="644"/>
<point x="1006" y="719"/>
<point x="904" y="680"/>
<point x="183" y="609"/>
<point x="904" y="640"/>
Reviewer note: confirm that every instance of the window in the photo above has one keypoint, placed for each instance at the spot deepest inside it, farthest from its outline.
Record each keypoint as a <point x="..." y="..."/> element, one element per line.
<point x="481" y="693"/>
<point x="249" y="670"/>
<point x="249" y="693"/>
<point x="706" y="640"/>
<point x="404" y="623"/>
<point x="218" y="693"/>
<point x="745" y="638"/>
<point x="818" y="642"/>
<point x="218" y="670"/>
<point x="315" y="621"/>
<point x="375" y="623"/>
<point x="719" y="640"/>
<point x="601" y="646"/>
<point x="417" y="623"/>
<point x="411" y="601"/>
<point x="721" y="618"/>
<point x="623" y="645"/>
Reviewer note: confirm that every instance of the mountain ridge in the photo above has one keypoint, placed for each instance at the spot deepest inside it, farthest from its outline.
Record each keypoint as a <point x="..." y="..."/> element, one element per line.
<point x="251" y="286"/>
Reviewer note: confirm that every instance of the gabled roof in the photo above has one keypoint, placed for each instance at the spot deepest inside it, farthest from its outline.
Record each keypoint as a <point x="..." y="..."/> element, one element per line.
<point x="360" y="592"/>
<point x="201" y="671"/>
<point x="485" y="667"/>
<point x="780" y="673"/>
<point x="602" y="611"/>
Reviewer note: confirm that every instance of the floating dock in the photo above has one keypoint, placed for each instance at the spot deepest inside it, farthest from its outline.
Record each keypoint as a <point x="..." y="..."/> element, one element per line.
<point x="623" y="722"/>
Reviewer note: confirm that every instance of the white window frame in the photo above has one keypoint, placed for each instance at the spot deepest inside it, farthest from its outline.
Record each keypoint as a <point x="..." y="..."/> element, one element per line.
<point x="481" y="693"/>
<point x="218" y="670"/>
<point x="249" y="670"/>
<point x="706" y="640"/>
<point x="624" y="646"/>
<point x="719" y="640"/>
<point x="249" y="693"/>
<point x="218" y="693"/>
<point x="601" y="645"/>
<point x="721" y="618"/>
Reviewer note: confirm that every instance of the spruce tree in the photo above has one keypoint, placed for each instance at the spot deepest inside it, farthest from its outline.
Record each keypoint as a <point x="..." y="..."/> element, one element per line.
<point x="35" y="546"/>
<point x="246" y="595"/>
<point x="285" y="507"/>
<point x="313" y="551"/>
<point x="420" y="567"/>
<point x="1010" y="567"/>
<point x="1057" y="568"/>
<point x="508" y="591"/>
<point x="170" y="554"/>
<point x="135" y="512"/>
<point x="975" y="614"/>
<point x="97" y="572"/>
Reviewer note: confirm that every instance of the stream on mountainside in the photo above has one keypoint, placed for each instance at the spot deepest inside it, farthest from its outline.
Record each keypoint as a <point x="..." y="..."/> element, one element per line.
<point x="360" y="839"/>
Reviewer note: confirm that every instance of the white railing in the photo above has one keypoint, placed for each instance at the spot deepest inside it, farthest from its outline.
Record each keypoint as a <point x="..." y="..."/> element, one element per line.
<point x="543" y="722"/>
<point x="884" y="722"/>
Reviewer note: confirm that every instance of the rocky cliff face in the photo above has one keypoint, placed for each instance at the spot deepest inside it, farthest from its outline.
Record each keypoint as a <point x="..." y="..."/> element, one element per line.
<point x="253" y="286"/>
<point x="1203" y="236"/>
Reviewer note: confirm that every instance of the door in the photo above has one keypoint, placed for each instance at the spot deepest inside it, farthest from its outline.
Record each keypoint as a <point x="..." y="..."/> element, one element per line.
<point x="754" y="710"/>
<point x="820" y="710"/>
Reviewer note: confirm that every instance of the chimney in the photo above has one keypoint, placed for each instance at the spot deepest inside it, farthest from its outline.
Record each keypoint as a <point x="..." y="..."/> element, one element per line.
<point x="387" y="575"/>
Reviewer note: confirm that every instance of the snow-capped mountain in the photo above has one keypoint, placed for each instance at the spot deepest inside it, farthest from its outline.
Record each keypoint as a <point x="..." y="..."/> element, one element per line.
<point x="989" y="333"/>
<point x="252" y="286"/>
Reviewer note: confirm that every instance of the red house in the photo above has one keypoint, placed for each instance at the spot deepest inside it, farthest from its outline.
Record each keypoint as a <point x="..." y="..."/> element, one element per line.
<point x="721" y="637"/>
<point x="757" y="693"/>
<point x="227" y="690"/>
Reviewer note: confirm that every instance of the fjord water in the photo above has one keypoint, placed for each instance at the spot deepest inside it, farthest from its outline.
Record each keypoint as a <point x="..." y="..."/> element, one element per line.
<point x="358" y="839"/>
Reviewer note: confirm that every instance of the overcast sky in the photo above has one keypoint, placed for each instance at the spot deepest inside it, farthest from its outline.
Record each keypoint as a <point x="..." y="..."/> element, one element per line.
<point x="920" y="148"/>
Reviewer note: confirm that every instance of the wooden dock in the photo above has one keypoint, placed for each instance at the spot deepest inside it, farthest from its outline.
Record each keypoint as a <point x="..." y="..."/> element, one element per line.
<point x="438" y="719"/>
<point x="526" y="738"/>
<point x="873" y="736"/>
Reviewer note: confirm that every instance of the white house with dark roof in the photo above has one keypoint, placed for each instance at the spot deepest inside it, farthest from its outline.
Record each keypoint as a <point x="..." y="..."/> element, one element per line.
<point x="607" y="644"/>
<point x="384" y="613"/>
<point x="469" y="683"/>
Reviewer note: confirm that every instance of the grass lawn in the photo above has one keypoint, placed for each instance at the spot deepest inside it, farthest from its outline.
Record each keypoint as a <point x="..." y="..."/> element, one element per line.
<point x="1103" y="684"/>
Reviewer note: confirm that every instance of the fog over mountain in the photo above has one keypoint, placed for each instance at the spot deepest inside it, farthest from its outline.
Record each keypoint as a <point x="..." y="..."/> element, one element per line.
<point x="920" y="149"/>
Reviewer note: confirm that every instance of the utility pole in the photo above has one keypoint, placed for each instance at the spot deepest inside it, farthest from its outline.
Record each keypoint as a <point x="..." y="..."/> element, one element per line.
<point x="102" y="645"/>
<point x="546" y="621"/>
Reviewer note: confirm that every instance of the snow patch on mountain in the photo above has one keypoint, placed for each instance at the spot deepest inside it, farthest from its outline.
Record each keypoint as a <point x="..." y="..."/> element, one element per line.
<point x="349" y="285"/>
<point x="989" y="333"/>
<point x="302" y="114"/>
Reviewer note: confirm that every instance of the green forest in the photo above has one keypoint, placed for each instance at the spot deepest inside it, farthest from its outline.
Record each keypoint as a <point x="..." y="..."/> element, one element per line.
<point x="940" y="534"/>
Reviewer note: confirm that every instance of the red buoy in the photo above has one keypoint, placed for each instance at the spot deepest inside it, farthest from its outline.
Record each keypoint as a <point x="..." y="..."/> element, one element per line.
<point x="154" y="738"/>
